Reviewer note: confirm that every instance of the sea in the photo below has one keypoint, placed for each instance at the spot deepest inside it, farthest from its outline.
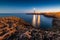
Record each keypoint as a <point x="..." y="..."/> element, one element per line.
<point x="46" y="22"/>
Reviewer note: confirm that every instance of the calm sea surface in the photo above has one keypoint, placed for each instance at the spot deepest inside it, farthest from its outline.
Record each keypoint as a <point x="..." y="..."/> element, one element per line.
<point x="45" y="21"/>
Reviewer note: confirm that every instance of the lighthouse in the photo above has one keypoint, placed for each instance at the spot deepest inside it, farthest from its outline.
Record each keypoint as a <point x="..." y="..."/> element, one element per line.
<point x="36" y="19"/>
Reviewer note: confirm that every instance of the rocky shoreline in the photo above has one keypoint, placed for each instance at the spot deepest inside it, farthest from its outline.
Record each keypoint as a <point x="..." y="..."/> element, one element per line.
<point x="11" y="25"/>
<point x="14" y="28"/>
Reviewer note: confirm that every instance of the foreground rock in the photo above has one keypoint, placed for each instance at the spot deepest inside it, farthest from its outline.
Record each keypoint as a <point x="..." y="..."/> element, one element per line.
<point x="14" y="28"/>
<point x="11" y="26"/>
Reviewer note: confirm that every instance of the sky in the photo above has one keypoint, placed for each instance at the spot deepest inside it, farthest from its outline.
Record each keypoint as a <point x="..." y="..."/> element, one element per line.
<point x="27" y="6"/>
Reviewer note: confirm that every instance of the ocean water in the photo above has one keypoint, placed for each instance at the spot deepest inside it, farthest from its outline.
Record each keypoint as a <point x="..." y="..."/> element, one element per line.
<point x="45" y="21"/>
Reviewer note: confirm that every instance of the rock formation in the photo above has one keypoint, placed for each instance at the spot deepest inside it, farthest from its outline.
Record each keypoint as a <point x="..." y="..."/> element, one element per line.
<point x="14" y="28"/>
<point x="11" y="25"/>
<point x="56" y="20"/>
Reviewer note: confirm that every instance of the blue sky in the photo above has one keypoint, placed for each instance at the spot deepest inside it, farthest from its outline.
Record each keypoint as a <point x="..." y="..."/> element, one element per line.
<point x="23" y="6"/>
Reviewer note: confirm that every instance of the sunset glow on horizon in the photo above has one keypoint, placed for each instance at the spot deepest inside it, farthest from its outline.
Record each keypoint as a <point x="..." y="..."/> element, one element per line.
<point x="26" y="6"/>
